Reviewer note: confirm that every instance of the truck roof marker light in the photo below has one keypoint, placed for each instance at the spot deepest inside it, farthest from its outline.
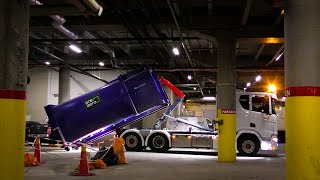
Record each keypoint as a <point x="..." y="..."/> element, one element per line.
<point x="272" y="88"/>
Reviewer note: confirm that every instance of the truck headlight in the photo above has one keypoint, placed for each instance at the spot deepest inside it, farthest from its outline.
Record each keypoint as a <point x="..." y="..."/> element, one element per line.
<point x="274" y="139"/>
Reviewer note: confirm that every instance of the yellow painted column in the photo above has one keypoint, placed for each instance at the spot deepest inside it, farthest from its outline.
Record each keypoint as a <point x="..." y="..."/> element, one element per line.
<point x="302" y="133"/>
<point x="302" y="73"/>
<point x="226" y="97"/>
<point x="12" y="131"/>
<point x="227" y="131"/>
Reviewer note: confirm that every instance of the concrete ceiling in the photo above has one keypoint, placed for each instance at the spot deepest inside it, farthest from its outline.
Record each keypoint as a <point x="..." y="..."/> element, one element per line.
<point x="131" y="33"/>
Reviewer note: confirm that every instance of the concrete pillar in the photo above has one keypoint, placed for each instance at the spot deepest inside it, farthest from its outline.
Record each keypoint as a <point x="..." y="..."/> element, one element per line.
<point x="302" y="63"/>
<point x="226" y="99"/>
<point x="14" y="36"/>
<point x="64" y="85"/>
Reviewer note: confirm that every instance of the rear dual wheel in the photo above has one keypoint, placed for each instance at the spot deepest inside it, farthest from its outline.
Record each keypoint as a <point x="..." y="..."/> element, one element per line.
<point x="133" y="142"/>
<point x="158" y="143"/>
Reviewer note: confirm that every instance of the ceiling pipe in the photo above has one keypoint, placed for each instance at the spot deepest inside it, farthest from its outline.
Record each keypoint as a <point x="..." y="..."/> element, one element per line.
<point x="117" y="39"/>
<point x="96" y="7"/>
<point x="99" y="43"/>
<point x="64" y="30"/>
<point x="58" y="22"/>
<point x="71" y="66"/>
<point x="206" y="69"/>
<point x="181" y="40"/>
<point x="210" y="69"/>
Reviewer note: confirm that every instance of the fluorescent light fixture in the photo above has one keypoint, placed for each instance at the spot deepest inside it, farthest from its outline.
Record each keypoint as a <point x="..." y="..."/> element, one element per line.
<point x="47" y="63"/>
<point x="258" y="78"/>
<point x="101" y="63"/>
<point x="279" y="56"/>
<point x="189" y="77"/>
<point x="194" y="88"/>
<point x="248" y="84"/>
<point x="209" y="98"/>
<point x="75" y="49"/>
<point x="175" y="51"/>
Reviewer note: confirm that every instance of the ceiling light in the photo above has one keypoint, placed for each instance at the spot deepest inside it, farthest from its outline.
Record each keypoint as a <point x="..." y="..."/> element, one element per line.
<point x="189" y="77"/>
<point x="248" y="84"/>
<point x="279" y="56"/>
<point x="194" y="88"/>
<point x="175" y="51"/>
<point x="75" y="49"/>
<point x="258" y="78"/>
<point x="209" y="98"/>
<point x="47" y="63"/>
<point x="101" y="63"/>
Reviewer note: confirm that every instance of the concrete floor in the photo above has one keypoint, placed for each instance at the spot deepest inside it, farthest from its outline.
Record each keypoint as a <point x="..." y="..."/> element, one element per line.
<point x="177" y="164"/>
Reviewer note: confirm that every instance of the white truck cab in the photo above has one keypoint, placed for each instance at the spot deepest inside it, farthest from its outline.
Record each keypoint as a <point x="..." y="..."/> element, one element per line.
<point x="256" y="122"/>
<point x="256" y="129"/>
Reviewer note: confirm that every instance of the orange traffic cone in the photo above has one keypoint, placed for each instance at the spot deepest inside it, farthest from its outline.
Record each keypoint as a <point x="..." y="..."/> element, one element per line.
<point x="37" y="150"/>
<point x="84" y="166"/>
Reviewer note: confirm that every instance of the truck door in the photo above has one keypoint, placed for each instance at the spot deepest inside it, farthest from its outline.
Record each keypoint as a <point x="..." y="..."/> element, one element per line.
<point x="243" y="109"/>
<point x="261" y="115"/>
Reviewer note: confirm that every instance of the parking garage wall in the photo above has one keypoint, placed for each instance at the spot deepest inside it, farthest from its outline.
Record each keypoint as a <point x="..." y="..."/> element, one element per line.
<point x="37" y="91"/>
<point x="200" y="110"/>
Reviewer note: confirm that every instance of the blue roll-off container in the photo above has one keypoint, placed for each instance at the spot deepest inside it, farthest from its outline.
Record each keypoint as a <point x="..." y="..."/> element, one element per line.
<point x="122" y="101"/>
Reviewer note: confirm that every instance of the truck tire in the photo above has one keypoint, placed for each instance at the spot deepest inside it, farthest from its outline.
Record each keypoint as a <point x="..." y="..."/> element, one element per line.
<point x="248" y="145"/>
<point x="132" y="141"/>
<point x="158" y="143"/>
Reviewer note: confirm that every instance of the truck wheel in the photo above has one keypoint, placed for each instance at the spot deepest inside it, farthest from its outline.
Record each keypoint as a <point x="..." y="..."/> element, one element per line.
<point x="133" y="142"/>
<point x="248" y="145"/>
<point x="159" y="143"/>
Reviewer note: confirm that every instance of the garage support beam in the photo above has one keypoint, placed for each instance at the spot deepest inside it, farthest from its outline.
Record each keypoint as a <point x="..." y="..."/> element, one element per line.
<point x="14" y="36"/>
<point x="64" y="85"/>
<point x="302" y="37"/>
<point x="226" y="99"/>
